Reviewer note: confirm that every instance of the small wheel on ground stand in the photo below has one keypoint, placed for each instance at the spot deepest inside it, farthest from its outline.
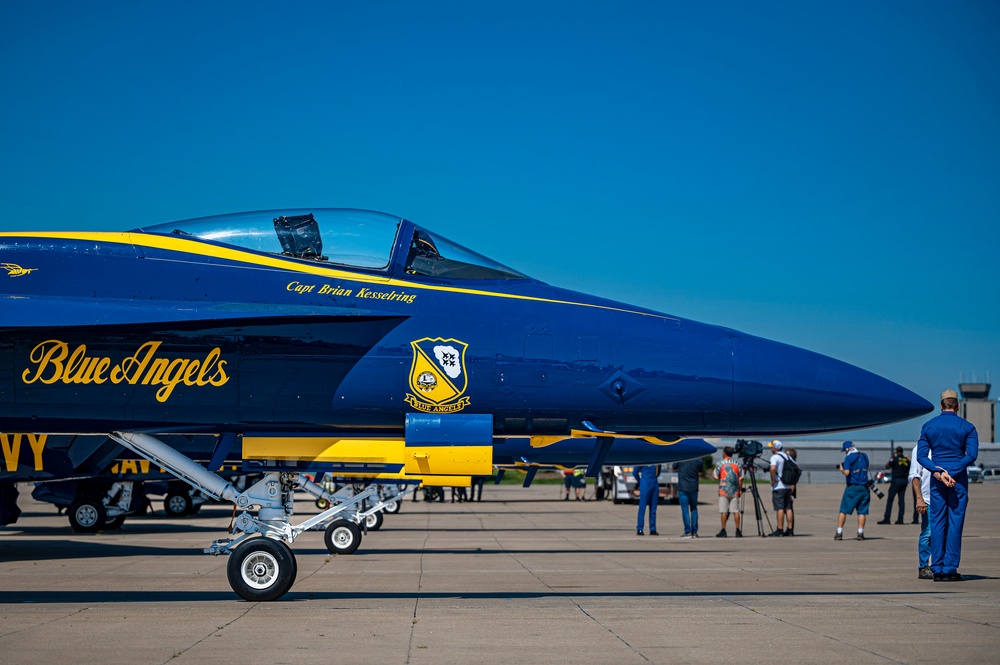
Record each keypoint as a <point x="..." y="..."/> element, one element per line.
<point x="342" y="537"/>
<point x="374" y="521"/>
<point x="393" y="507"/>
<point x="262" y="569"/>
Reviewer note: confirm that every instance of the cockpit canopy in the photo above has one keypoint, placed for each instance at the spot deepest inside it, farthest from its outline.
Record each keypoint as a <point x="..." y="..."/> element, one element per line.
<point x="352" y="238"/>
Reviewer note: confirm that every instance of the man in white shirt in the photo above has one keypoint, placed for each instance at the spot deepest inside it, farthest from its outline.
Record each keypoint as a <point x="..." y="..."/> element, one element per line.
<point x="920" y="480"/>
<point x="781" y="494"/>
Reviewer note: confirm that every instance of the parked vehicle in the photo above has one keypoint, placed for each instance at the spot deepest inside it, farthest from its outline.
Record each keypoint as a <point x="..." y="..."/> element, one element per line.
<point x="975" y="474"/>
<point x="626" y="487"/>
<point x="991" y="475"/>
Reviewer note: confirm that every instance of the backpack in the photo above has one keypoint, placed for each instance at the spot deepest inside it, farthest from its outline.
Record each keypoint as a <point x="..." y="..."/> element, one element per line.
<point x="790" y="471"/>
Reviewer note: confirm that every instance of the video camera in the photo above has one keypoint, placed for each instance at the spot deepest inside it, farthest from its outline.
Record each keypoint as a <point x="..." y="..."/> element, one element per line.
<point x="748" y="449"/>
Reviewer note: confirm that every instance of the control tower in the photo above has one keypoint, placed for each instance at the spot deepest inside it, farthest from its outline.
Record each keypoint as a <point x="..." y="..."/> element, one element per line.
<point x="977" y="407"/>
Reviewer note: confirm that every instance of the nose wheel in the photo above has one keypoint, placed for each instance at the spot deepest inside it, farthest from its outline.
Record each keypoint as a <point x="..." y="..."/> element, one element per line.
<point x="262" y="569"/>
<point x="87" y="515"/>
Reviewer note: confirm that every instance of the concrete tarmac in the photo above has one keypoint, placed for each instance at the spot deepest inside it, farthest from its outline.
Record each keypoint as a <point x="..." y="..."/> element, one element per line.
<point x="520" y="577"/>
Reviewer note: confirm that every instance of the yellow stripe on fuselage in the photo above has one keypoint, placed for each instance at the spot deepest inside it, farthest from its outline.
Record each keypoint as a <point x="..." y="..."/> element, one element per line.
<point x="325" y="449"/>
<point x="200" y="247"/>
<point x="424" y="480"/>
<point x="419" y="460"/>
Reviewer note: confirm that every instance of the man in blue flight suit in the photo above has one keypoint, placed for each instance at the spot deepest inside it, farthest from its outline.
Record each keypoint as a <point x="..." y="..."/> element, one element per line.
<point x="649" y="494"/>
<point x="948" y="444"/>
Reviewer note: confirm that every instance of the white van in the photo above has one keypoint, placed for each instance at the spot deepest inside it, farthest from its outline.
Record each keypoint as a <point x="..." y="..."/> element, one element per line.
<point x="626" y="488"/>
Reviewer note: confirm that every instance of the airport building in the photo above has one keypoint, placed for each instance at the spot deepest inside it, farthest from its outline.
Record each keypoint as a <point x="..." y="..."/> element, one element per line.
<point x="976" y="406"/>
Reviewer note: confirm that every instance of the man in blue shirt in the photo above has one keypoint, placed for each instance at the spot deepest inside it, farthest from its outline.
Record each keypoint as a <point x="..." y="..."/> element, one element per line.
<point x="856" y="496"/>
<point x="649" y="495"/>
<point x="688" y="474"/>
<point x="953" y="444"/>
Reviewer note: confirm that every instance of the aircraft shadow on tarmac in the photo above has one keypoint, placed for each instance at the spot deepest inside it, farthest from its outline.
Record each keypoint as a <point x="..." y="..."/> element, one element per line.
<point x="161" y="596"/>
<point x="546" y="529"/>
<point x="76" y="549"/>
<point x="133" y="527"/>
<point x="430" y="550"/>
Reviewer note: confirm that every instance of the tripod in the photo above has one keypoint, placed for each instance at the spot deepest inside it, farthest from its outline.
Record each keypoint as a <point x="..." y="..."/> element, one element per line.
<point x="749" y="468"/>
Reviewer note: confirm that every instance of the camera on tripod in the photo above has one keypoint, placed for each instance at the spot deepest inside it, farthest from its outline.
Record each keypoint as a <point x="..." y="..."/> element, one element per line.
<point x="748" y="449"/>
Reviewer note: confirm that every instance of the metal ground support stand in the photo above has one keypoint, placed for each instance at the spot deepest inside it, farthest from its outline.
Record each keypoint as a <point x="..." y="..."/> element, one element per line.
<point x="392" y="495"/>
<point x="343" y="535"/>
<point x="260" y="568"/>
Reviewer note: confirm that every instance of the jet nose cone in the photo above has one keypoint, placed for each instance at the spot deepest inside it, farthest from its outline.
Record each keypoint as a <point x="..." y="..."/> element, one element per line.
<point x="782" y="389"/>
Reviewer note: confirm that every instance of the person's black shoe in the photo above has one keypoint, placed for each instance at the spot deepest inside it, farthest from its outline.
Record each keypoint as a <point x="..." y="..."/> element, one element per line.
<point x="838" y="536"/>
<point x="938" y="577"/>
<point x="883" y="522"/>
<point x="739" y="534"/>
<point x="721" y="534"/>
<point x="639" y="532"/>
<point x="777" y="534"/>
<point x="900" y="522"/>
<point x="951" y="577"/>
<point x="915" y="522"/>
<point x="789" y="533"/>
<point x="654" y="532"/>
<point x="861" y="536"/>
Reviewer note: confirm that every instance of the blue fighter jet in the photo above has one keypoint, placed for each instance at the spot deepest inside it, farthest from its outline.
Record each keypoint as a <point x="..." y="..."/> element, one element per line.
<point x="305" y="333"/>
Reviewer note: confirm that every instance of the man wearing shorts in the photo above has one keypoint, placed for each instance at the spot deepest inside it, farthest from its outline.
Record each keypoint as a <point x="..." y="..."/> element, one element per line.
<point x="781" y="494"/>
<point x="727" y="472"/>
<point x="856" y="496"/>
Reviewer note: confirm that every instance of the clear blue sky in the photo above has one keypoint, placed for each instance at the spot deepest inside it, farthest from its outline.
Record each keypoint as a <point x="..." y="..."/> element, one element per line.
<point x="824" y="176"/>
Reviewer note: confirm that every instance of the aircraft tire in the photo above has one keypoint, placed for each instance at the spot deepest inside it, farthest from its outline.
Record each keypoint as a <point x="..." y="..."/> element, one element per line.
<point x="262" y="569"/>
<point x="342" y="537"/>
<point x="393" y="507"/>
<point x="87" y="515"/>
<point x="114" y="523"/>
<point x="374" y="521"/>
<point x="178" y="504"/>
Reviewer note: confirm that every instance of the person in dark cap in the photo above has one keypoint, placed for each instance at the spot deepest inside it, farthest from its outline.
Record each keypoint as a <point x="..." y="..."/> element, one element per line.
<point x="948" y="444"/>
<point x="899" y="464"/>
<point x="856" y="496"/>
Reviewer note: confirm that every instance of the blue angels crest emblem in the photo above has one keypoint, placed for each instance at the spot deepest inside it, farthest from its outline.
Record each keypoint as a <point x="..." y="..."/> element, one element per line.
<point x="438" y="377"/>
